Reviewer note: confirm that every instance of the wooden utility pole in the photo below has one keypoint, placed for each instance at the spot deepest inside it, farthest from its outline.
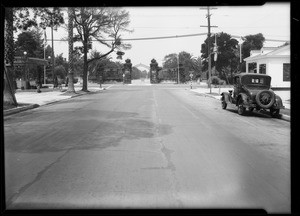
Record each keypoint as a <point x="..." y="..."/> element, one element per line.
<point x="208" y="42"/>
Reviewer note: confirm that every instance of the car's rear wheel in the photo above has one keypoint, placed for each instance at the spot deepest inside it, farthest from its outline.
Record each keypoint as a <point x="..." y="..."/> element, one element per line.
<point x="224" y="104"/>
<point x="241" y="108"/>
<point x="265" y="99"/>
<point x="274" y="112"/>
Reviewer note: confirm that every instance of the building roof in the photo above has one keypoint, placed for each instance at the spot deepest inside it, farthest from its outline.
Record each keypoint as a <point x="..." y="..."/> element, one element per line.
<point x="270" y="52"/>
<point x="21" y="60"/>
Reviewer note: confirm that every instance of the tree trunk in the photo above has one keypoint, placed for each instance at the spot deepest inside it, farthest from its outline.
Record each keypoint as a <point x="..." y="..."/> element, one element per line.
<point x="71" y="61"/>
<point x="85" y="65"/>
<point x="9" y="86"/>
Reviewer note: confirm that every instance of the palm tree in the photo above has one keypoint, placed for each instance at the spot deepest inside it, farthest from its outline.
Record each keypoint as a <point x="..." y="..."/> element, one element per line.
<point x="70" y="42"/>
<point x="9" y="89"/>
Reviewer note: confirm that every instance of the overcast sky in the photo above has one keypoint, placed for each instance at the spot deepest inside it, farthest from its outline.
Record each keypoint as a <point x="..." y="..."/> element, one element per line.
<point x="271" y="19"/>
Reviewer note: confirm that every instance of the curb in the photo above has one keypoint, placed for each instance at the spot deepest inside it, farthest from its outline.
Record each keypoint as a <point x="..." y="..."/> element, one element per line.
<point x="19" y="109"/>
<point x="285" y="117"/>
<point x="32" y="106"/>
<point x="282" y="116"/>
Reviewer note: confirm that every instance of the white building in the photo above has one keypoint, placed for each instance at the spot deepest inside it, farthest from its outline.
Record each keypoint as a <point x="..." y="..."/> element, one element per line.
<point x="273" y="61"/>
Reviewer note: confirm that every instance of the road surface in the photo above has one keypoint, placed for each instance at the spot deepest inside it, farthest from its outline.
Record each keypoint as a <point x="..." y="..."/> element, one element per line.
<point x="158" y="146"/>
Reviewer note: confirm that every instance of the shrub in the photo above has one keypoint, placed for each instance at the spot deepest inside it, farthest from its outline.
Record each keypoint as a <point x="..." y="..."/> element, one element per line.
<point x="222" y="82"/>
<point x="214" y="80"/>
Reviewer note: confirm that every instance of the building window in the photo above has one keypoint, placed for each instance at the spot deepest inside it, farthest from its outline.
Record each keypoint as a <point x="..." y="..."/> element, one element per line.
<point x="286" y="72"/>
<point x="252" y="67"/>
<point x="262" y="68"/>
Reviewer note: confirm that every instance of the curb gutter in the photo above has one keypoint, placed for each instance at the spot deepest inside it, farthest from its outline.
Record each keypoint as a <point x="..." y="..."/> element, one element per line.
<point x="19" y="109"/>
<point x="32" y="106"/>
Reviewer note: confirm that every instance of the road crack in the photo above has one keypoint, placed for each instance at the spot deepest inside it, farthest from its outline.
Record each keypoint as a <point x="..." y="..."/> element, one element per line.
<point x="37" y="178"/>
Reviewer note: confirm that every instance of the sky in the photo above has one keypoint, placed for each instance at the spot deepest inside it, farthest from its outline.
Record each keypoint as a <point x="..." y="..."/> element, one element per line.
<point x="271" y="19"/>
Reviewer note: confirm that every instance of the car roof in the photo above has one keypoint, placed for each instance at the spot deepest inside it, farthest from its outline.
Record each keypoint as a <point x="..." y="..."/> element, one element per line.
<point x="251" y="74"/>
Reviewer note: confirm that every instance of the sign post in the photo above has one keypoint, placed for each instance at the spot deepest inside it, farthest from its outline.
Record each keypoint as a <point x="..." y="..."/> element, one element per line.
<point x="100" y="80"/>
<point x="191" y="76"/>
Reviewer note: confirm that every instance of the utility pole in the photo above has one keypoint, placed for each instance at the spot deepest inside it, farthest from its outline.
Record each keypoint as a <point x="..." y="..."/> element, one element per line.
<point x="208" y="42"/>
<point x="178" y="69"/>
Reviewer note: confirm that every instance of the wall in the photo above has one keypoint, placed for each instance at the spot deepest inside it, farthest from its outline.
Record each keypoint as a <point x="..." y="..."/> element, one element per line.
<point x="275" y="70"/>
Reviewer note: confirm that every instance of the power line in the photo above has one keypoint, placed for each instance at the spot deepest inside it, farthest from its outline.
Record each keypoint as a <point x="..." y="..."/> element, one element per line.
<point x="174" y="36"/>
<point x="147" y="38"/>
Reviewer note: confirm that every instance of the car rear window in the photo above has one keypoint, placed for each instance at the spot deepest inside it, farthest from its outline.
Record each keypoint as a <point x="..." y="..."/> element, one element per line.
<point x="257" y="81"/>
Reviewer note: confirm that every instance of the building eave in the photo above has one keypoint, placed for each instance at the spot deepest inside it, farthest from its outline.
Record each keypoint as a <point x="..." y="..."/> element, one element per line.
<point x="265" y="57"/>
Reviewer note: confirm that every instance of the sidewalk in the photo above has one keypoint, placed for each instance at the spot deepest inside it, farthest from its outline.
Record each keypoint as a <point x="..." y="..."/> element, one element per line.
<point x="29" y="99"/>
<point x="215" y="93"/>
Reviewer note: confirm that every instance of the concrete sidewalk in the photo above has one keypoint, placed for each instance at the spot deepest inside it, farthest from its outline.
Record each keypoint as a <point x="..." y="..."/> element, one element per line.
<point x="215" y="93"/>
<point x="31" y="99"/>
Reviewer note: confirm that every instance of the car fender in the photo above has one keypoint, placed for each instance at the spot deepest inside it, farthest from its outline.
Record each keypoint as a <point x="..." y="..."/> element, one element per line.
<point x="226" y="96"/>
<point x="243" y="96"/>
<point x="278" y="102"/>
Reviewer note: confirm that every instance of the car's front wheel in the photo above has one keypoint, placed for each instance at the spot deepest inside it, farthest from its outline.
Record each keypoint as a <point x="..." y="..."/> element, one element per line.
<point x="241" y="108"/>
<point x="224" y="104"/>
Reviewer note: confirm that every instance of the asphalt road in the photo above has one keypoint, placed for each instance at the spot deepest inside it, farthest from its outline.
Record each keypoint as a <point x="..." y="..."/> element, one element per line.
<point x="158" y="146"/>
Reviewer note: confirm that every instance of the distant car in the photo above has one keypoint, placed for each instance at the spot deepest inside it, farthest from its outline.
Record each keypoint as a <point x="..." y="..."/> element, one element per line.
<point x="252" y="91"/>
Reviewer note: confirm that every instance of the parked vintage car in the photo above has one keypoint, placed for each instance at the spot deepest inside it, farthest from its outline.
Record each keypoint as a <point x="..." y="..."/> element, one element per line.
<point x="252" y="91"/>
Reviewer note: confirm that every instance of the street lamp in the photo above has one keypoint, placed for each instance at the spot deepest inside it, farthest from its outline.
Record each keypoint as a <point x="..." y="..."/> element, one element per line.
<point x="52" y="51"/>
<point x="191" y="78"/>
<point x="24" y="84"/>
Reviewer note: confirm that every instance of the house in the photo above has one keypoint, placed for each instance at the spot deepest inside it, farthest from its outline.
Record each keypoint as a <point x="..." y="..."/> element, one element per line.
<point x="273" y="61"/>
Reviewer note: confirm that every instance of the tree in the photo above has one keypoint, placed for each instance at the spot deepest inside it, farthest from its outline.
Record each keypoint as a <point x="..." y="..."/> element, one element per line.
<point x="251" y="42"/>
<point x="197" y="67"/>
<point x="170" y="64"/>
<point x="31" y="43"/>
<point x="99" y="24"/>
<point x="60" y="72"/>
<point x="187" y="63"/>
<point x="71" y="88"/>
<point x="136" y="73"/>
<point x="96" y="68"/>
<point x="61" y="61"/>
<point x="227" y="53"/>
<point x="9" y="99"/>
<point x="77" y="66"/>
<point x="50" y="17"/>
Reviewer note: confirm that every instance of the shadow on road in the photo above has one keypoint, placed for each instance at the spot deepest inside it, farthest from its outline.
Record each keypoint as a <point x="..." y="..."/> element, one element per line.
<point x="90" y="129"/>
<point x="253" y="114"/>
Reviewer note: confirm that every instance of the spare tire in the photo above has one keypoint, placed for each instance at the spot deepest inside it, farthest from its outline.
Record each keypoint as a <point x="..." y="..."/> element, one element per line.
<point x="265" y="98"/>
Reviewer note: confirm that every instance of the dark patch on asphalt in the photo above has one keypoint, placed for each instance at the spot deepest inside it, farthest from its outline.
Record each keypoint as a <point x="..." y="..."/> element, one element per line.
<point x="82" y="134"/>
